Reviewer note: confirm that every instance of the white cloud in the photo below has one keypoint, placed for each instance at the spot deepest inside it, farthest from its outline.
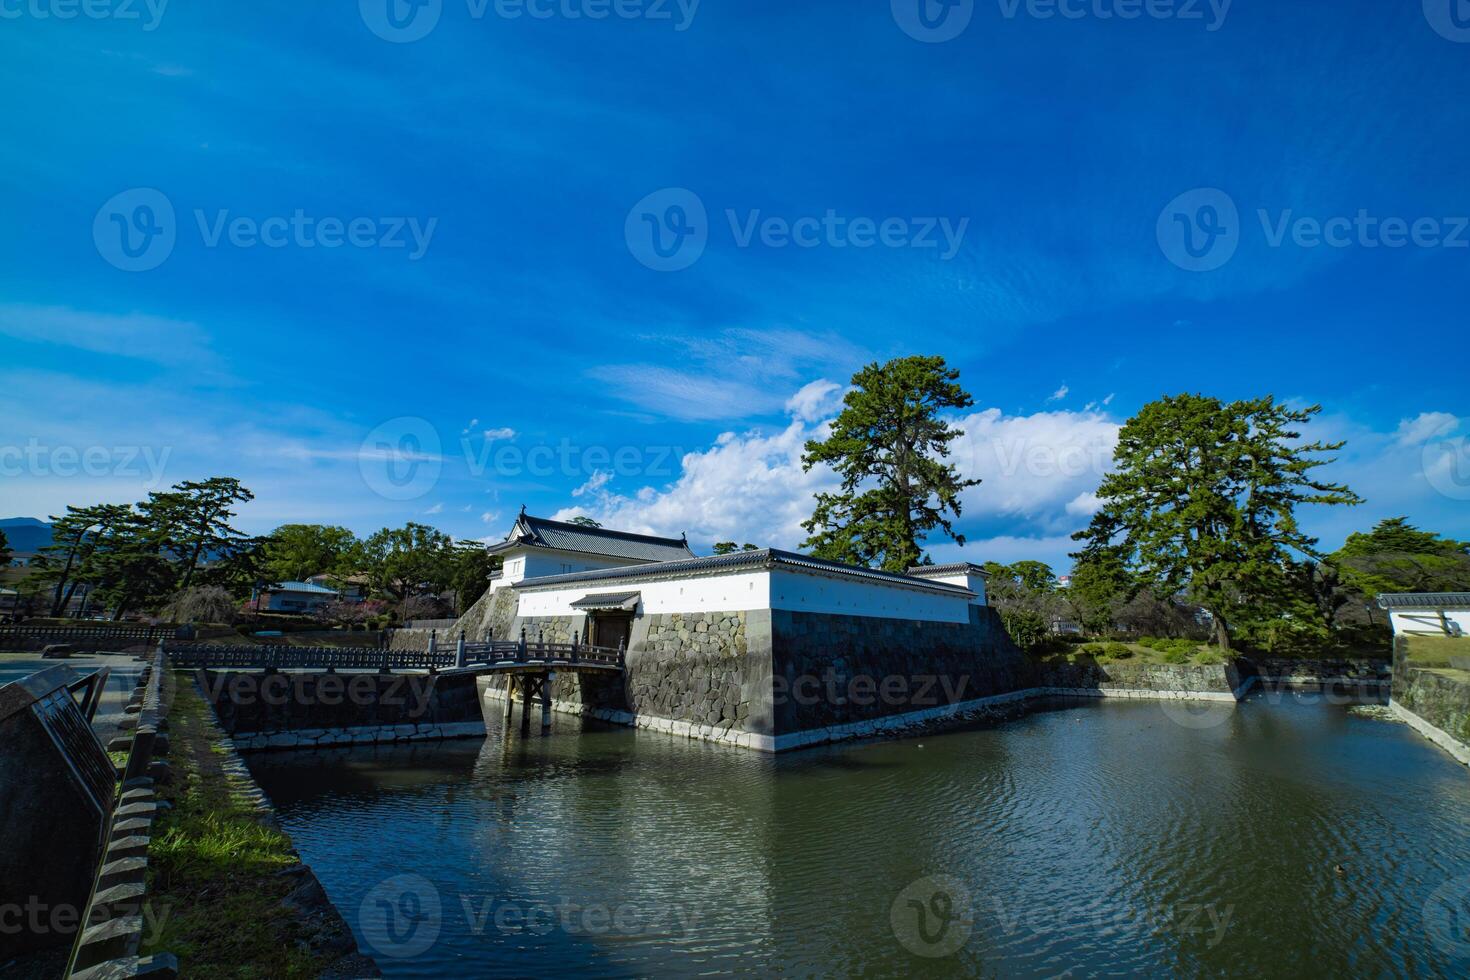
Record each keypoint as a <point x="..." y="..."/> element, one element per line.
<point x="1039" y="467"/>
<point x="1425" y="426"/>
<point x="750" y="486"/>
<point x="490" y="516"/>
<point x="1059" y="394"/>
<point x="436" y="509"/>
<point x="505" y="432"/>
<point x="134" y="335"/>
<point x="815" y="401"/>
<point x="595" y="482"/>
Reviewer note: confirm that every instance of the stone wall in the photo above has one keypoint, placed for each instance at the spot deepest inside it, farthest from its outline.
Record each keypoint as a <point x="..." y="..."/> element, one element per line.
<point x="1226" y="680"/>
<point x="1434" y="701"/>
<point x="491" y="617"/>
<point x="287" y="711"/>
<point x="837" y="670"/>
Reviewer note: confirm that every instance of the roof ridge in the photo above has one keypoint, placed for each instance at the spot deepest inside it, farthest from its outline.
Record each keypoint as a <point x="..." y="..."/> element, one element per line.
<point x="604" y="530"/>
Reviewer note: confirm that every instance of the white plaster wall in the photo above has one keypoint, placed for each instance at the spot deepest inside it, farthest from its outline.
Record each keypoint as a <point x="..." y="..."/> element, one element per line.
<point x="711" y="593"/>
<point x="539" y="562"/>
<point x="781" y="588"/>
<point x="1427" y="620"/>
<point x="802" y="592"/>
<point x="973" y="581"/>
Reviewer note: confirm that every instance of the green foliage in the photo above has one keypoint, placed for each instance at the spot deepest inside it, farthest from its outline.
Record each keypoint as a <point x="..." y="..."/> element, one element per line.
<point x="1174" y="656"/>
<point x="192" y="521"/>
<point x="295" y="552"/>
<point x="1027" y="628"/>
<point x="409" y="560"/>
<point x="888" y="445"/>
<point x="470" y="577"/>
<point x="730" y="547"/>
<point x="5" y="552"/>
<point x="584" y="521"/>
<point x="1100" y="587"/>
<point x="1204" y="499"/>
<point x="1398" y="557"/>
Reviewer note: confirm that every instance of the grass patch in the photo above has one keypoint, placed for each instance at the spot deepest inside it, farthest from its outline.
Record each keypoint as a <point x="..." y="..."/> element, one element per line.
<point x="213" y="867"/>
<point x="1147" y="651"/>
<point x="1437" y="651"/>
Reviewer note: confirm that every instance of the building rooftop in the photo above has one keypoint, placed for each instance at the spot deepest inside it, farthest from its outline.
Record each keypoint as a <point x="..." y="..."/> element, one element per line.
<point x="1424" y="600"/>
<point x="953" y="568"/>
<point x="301" y="587"/>
<point x="541" y="532"/>
<point x="762" y="558"/>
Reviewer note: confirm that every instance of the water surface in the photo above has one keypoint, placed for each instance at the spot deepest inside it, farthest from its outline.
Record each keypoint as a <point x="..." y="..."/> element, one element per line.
<point x="1292" y="838"/>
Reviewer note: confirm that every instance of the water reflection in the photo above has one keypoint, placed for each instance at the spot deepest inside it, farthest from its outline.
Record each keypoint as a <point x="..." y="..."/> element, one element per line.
<point x="1291" y="838"/>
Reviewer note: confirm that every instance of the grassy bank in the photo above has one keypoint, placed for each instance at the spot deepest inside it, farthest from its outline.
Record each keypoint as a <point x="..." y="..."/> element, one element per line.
<point x="1448" y="655"/>
<point x="215" y="867"/>
<point x="1146" y="651"/>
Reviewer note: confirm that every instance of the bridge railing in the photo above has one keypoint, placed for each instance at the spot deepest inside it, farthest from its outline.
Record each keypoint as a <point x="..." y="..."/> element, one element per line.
<point x="461" y="654"/>
<point x="22" y="637"/>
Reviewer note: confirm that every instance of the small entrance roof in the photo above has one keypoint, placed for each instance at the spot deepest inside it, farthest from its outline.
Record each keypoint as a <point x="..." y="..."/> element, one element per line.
<point x="605" y="601"/>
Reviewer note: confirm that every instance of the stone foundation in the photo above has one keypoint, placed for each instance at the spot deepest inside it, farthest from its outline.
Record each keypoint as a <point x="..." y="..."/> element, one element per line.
<point x="305" y="710"/>
<point x="1435" y="703"/>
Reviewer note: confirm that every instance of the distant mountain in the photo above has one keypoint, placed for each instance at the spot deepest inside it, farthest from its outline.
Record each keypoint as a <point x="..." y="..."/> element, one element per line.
<point x="26" y="533"/>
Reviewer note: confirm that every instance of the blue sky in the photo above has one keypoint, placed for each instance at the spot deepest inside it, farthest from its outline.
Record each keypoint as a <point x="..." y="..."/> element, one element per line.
<point x="497" y="333"/>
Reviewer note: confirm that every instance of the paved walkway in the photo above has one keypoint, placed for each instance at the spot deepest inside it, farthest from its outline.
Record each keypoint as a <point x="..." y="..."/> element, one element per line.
<point x="124" y="670"/>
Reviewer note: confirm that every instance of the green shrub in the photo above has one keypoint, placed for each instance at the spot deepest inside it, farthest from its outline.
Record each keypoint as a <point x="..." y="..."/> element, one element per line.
<point x="1209" y="658"/>
<point x="1173" y="656"/>
<point x="1092" y="649"/>
<point x="1118" y="651"/>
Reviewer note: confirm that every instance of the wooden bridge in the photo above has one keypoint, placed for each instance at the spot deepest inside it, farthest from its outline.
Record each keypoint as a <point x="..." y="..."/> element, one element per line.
<point x="529" y="667"/>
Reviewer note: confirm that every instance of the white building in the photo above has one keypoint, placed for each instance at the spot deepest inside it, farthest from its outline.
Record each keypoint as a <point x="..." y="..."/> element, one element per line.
<point x="1427" y="613"/>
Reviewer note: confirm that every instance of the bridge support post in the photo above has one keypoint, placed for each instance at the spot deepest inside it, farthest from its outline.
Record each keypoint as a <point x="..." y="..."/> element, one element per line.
<point x="546" y="700"/>
<point x="526" y="705"/>
<point x="459" y="654"/>
<point x="510" y="699"/>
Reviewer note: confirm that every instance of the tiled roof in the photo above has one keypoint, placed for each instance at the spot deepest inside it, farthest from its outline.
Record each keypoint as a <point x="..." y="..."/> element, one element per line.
<point x="608" y="600"/>
<point x="1424" y="600"/>
<point x="301" y="587"/>
<point x="953" y="568"/>
<point x="764" y="558"/>
<point x="539" y="532"/>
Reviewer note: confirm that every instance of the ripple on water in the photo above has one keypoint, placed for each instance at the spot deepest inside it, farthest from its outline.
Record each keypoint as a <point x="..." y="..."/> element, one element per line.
<point x="1094" y="838"/>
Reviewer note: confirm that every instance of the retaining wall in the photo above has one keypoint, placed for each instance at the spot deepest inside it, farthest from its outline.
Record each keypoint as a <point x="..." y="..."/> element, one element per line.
<point x="1434" y="701"/>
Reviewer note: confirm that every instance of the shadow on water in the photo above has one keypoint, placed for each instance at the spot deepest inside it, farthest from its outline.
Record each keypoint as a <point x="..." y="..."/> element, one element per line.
<point x="1276" y="838"/>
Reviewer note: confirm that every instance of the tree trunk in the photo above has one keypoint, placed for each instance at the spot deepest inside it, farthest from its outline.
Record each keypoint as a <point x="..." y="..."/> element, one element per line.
<point x="1222" y="632"/>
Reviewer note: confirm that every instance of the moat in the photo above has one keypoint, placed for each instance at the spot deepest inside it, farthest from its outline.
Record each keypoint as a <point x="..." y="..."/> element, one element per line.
<point x="1285" y="837"/>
